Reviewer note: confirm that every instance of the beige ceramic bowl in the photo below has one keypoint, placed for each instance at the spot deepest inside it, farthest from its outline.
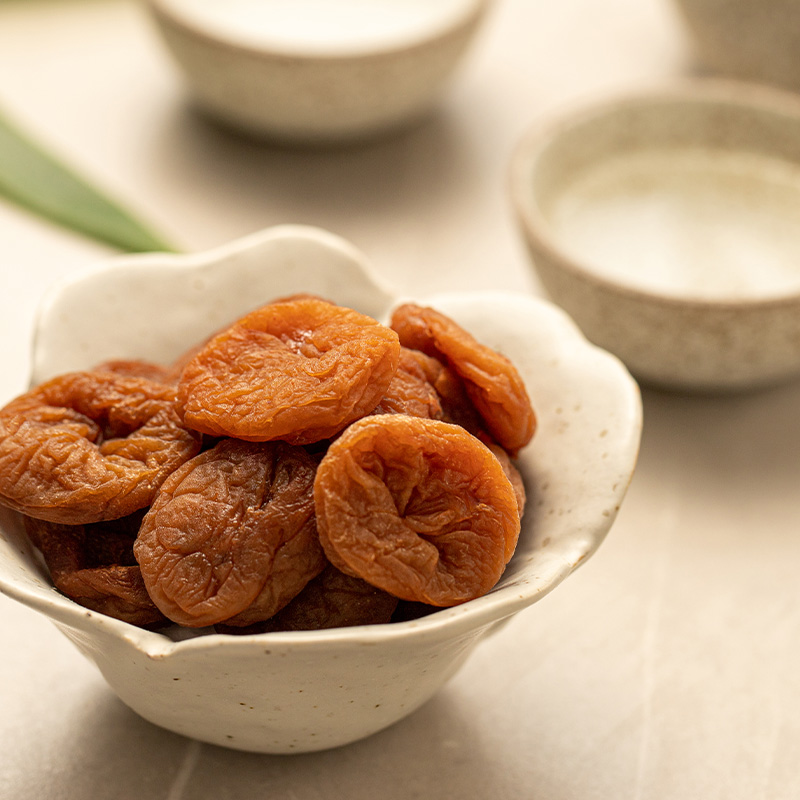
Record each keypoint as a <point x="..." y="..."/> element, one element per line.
<point x="752" y="39"/>
<point x="667" y="224"/>
<point x="316" y="71"/>
<point x="301" y="691"/>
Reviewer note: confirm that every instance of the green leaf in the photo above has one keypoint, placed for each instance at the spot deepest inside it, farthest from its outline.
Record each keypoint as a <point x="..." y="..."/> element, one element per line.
<point x="34" y="179"/>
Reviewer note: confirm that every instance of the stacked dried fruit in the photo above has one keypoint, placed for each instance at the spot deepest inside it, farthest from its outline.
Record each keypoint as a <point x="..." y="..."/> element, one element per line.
<point x="305" y="468"/>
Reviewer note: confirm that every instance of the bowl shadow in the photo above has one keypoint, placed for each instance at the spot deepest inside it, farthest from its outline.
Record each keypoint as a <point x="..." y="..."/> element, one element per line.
<point x="267" y="182"/>
<point x="112" y="752"/>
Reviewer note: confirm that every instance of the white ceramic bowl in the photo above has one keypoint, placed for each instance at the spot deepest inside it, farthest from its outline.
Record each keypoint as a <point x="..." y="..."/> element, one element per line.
<point x="667" y="224"/>
<point x="301" y="691"/>
<point x="312" y="71"/>
<point x="749" y="39"/>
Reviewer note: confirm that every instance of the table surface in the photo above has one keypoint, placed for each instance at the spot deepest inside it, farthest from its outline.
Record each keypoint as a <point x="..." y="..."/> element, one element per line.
<point x="667" y="667"/>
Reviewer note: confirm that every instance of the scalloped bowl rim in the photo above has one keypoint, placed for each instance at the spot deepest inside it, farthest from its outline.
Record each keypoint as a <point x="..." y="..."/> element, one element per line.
<point x="499" y="604"/>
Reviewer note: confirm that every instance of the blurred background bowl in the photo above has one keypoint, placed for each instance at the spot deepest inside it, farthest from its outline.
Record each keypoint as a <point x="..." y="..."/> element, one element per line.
<point x="667" y="224"/>
<point x="309" y="72"/>
<point x="755" y="40"/>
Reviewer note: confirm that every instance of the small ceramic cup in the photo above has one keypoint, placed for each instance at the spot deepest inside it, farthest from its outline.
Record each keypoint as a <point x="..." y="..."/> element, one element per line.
<point x="667" y="224"/>
<point x="756" y="40"/>
<point x="309" y="72"/>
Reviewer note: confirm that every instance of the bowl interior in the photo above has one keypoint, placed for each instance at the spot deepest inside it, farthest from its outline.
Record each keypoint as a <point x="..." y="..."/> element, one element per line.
<point x="686" y="194"/>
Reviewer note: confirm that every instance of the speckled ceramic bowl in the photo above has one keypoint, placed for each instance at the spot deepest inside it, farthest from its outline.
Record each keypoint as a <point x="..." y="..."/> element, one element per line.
<point x="755" y="40"/>
<point x="311" y="72"/>
<point x="301" y="691"/>
<point x="667" y="224"/>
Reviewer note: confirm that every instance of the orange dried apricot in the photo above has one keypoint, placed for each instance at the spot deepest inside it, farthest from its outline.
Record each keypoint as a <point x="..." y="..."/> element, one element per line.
<point x="90" y="446"/>
<point x="453" y="398"/>
<point x="94" y="566"/>
<point x="410" y="391"/>
<point x="335" y="600"/>
<point x="135" y="368"/>
<point x="299" y="370"/>
<point x="492" y="382"/>
<point x="419" y="508"/>
<point x="331" y="600"/>
<point x="231" y="535"/>
<point x="512" y="473"/>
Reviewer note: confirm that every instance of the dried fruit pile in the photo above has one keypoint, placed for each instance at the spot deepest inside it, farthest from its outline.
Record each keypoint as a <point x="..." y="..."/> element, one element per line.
<point x="307" y="467"/>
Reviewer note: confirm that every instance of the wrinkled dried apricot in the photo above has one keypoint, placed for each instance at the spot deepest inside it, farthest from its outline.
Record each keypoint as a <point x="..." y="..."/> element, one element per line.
<point x="335" y="600"/>
<point x="512" y="473"/>
<point x="410" y="391"/>
<point x="458" y="409"/>
<point x="134" y="368"/>
<point x="492" y="382"/>
<point x="456" y="404"/>
<point x="90" y="446"/>
<point x="331" y="600"/>
<point x="299" y="370"/>
<point x="231" y="535"/>
<point x="419" y="508"/>
<point x="94" y="566"/>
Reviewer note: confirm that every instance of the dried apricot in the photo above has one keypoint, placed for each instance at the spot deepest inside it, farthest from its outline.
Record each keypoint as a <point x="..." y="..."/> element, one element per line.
<point x="419" y="508"/>
<point x="90" y="446"/>
<point x="458" y="409"/>
<point x="453" y="398"/>
<point x="512" y="473"/>
<point x="134" y="368"/>
<point x="231" y="535"/>
<point x="94" y="566"/>
<point x="331" y="600"/>
<point x="492" y="382"/>
<point x="299" y="370"/>
<point x="410" y="391"/>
